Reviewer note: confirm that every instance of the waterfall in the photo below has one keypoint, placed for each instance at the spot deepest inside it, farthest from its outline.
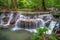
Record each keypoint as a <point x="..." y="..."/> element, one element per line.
<point x="24" y="18"/>
<point x="10" y="18"/>
<point x="42" y="22"/>
<point x="51" y="26"/>
<point x="16" y="27"/>
<point x="19" y="19"/>
<point x="36" y="21"/>
<point x="2" y="16"/>
<point x="36" y="24"/>
<point x="57" y="25"/>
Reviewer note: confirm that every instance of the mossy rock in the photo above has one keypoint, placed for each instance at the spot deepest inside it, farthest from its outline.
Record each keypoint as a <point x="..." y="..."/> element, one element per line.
<point x="3" y="27"/>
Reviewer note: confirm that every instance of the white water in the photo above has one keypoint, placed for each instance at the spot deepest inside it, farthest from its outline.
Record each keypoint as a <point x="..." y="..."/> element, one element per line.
<point x="42" y="22"/>
<point x="34" y="30"/>
<point x="2" y="16"/>
<point x="31" y="30"/>
<point x="21" y="17"/>
<point x="16" y="27"/>
<point x="10" y="16"/>
<point x="24" y="18"/>
<point x="51" y="26"/>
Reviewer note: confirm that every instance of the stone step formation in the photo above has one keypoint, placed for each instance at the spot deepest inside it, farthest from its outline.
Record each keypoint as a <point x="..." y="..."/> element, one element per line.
<point x="25" y="21"/>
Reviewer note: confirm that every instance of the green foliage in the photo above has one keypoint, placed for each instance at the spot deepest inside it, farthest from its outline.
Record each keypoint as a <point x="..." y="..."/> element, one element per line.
<point x="37" y="4"/>
<point x="29" y="3"/>
<point x="34" y="36"/>
<point x="1" y="3"/>
<point x="34" y="4"/>
<point x="50" y="3"/>
<point x="10" y="4"/>
<point x="58" y="37"/>
<point x="42" y="31"/>
<point x="57" y="4"/>
<point x="53" y="37"/>
<point x="57" y="13"/>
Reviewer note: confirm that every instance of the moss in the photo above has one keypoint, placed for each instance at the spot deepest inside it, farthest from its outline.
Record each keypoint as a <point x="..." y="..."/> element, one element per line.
<point x="3" y="27"/>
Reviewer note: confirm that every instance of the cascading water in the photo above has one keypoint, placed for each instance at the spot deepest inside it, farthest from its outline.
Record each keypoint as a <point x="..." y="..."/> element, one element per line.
<point x="34" y="22"/>
<point x="51" y="26"/>
<point x="16" y="27"/>
<point x="28" y="22"/>
<point x="7" y="16"/>
<point x="41" y="23"/>
<point x="2" y="15"/>
<point x="10" y="18"/>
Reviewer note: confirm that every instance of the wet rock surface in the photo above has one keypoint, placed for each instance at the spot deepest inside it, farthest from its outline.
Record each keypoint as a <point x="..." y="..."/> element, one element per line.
<point x="25" y="21"/>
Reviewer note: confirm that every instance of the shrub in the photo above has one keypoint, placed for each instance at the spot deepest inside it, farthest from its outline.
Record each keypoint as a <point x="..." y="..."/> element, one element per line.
<point x="41" y="34"/>
<point x="29" y="3"/>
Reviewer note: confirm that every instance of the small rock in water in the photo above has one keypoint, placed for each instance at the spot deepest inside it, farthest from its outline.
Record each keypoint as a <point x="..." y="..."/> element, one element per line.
<point x="14" y="29"/>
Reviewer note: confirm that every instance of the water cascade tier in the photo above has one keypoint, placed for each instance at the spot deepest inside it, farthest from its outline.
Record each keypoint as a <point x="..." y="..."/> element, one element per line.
<point x="30" y="22"/>
<point x="27" y="22"/>
<point x="5" y="18"/>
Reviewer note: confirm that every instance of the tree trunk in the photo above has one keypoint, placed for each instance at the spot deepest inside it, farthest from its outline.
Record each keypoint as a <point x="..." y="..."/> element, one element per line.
<point x="43" y="5"/>
<point x="14" y="3"/>
<point x="6" y="5"/>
